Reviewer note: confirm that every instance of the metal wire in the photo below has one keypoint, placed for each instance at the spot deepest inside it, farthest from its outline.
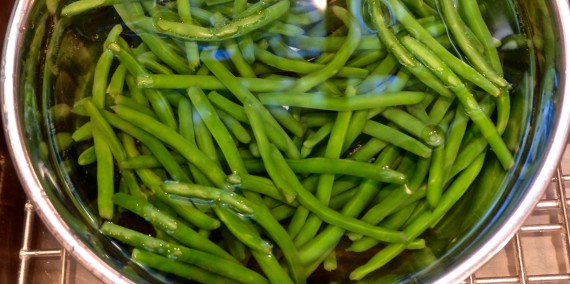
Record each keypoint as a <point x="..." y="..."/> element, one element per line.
<point x="521" y="275"/>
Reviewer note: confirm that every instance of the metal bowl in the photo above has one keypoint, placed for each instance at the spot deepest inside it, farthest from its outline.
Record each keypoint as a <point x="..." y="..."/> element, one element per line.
<point x="545" y="116"/>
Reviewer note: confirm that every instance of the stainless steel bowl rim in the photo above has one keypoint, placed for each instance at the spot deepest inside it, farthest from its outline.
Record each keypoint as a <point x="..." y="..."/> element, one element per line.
<point x="47" y="212"/>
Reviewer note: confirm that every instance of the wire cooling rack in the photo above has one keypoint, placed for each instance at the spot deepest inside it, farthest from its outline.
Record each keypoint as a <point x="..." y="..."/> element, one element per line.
<point x="538" y="253"/>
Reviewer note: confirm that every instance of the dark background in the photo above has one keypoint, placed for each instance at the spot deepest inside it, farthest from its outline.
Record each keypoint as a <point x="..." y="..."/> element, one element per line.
<point x="11" y="195"/>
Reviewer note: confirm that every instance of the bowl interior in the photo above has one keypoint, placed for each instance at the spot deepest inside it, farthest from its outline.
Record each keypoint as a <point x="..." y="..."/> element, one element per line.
<point x="52" y="57"/>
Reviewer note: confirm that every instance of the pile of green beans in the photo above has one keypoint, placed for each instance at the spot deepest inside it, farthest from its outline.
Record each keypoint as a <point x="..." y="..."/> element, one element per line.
<point x="254" y="137"/>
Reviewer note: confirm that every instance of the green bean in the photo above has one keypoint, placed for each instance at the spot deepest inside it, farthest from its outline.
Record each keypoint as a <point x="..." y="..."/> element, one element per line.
<point x="275" y="132"/>
<point x="313" y="139"/>
<point x="394" y="221"/>
<point x="424" y="221"/>
<point x="347" y="167"/>
<point x="285" y="118"/>
<point x="366" y="58"/>
<point x="185" y="11"/>
<point x="185" y="121"/>
<point x="455" y="134"/>
<point x="79" y="7"/>
<point x="187" y="271"/>
<point x="431" y="134"/>
<point x="208" y="193"/>
<point x="100" y="78"/>
<point x="87" y="157"/>
<point x="248" y="206"/>
<point x="152" y="181"/>
<point x="381" y="73"/>
<point x="330" y="216"/>
<point x="236" y="248"/>
<point x="367" y="151"/>
<point x="323" y="102"/>
<point x="265" y="150"/>
<point x="128" y="102"/>
<point x="117" y="83"/>
<point x="232" y="108"/>
<point x="233" y="125"/>
<point x="256" y="184"/>
<point x="328" y="239"/>
<point x="332" y="43"/>
<point x="243" y="68"/>
<point x="281" y="28"/>
<point x="109" y="136"/>
<point x="304" y="19"/>
<point x="324" y="187"/>
<point x="201" y="259"/>
<point x="132" y="13"/>
<point x="463" y="69"/>
<point x="169" y="225"/>
<point x="484" y="124"/>
<point x="82" y="133"/>
<point x="282" y="50"/>
<point x="136" y="93"/>
<point x="246" y="46"/>
<point x="399" y="195"/>
<point x="242" y="229"/>
<point x="397" y="138"/>
<point x="105" y="173"/>
<point x="477" y="24"/>
<point x="217" y="128"/>
<point x="167" y="135"/>
<point x="149" y="61"/>
<point x="402" y="55"/>
<point x="302" y="67"/>
<point x="146" y="162"/>
<point x="312" y="79"/>
<point x="458" y="30"/>
<point x="236" y="28"/>
<point x="158" y="102"/>
<point x="420" y="8"/>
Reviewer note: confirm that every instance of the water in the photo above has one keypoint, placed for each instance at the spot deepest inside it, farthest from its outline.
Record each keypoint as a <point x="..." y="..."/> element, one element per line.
<point x="81" y="44"/>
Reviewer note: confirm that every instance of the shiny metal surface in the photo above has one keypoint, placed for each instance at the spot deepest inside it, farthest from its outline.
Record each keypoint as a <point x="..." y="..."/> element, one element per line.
<point x="65" y="225"/>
